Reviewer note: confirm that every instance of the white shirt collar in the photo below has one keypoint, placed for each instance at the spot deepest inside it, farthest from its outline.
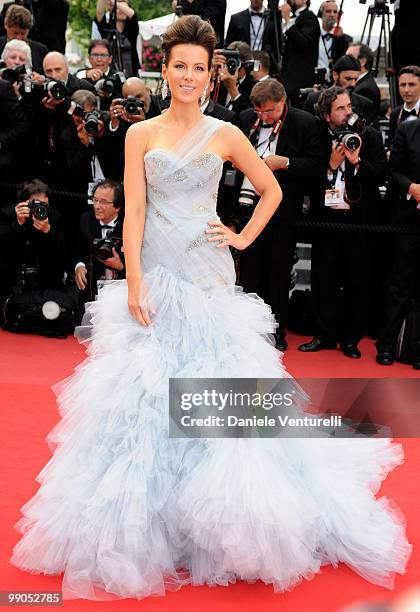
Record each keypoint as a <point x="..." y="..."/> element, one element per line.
<point x="416" y="107"/>
<point x="300" y="10"/>
<point x="252" y="11"/>
<point x="113" y="222"/>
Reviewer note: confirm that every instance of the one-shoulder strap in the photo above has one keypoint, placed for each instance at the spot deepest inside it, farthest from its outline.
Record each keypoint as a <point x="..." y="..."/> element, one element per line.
<point x="195" y="140"/>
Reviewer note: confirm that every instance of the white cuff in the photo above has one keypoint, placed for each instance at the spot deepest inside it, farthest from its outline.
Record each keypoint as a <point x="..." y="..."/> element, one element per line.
<point x="79" y="265"/>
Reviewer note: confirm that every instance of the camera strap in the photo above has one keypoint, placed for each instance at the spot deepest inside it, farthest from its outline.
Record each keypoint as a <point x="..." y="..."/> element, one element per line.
<point x="277" y="127"/>
<point x="256" y="34"/>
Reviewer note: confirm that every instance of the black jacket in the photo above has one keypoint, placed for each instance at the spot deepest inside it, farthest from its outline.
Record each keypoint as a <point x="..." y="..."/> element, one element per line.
<point x="405" y="169"/>
<point x="23" y="244"/>
<point x="362" y="187"/>
<point x="394" y="122"/>
<point x="300" y="53"/>
<point x="38" y="52"/>
<point x="13" y="125"/>
<point x="213" y="11"/>
<point x="220" y="112"/>
<point x="240" y="29"/>
<point x="244" y="100"/>
<point x="361" y="105"/>
<point x="89" y="229"/>
<point x="367" y="87"/>
<point x="299" y="141"/>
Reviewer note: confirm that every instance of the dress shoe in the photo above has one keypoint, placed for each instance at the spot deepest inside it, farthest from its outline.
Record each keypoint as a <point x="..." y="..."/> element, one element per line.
<point x="281" y="343"/>
<point x="317" y="344"/>
<point x="385" y="357"/>
<point x="351" y="350"/>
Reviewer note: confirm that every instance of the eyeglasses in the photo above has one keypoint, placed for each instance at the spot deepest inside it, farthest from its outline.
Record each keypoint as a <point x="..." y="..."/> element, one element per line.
<point x="100" y="202"/>
<point x="266" y="112"/>
<point x="99" y="55"/>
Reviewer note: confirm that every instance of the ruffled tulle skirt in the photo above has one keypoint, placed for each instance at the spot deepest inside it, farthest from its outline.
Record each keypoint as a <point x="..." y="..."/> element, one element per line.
<point x="125" y="511"/>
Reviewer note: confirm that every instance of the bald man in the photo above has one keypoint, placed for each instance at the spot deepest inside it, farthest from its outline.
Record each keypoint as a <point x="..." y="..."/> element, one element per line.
<point x="56" y="67"/>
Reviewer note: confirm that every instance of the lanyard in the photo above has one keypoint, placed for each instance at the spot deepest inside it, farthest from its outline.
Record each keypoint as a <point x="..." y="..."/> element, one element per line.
<point x="255" y="130"/>
<point x="328" y="51"/>
<point x="256" y="34"/>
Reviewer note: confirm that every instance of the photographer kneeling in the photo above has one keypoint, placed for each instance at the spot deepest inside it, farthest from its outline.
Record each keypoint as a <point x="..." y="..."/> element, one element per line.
<point x="33" y="295"/>
<point x="98" y="253"/>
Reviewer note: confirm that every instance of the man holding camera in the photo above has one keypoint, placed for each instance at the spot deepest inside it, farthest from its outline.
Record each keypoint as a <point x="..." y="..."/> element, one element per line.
<point x="355" y="168"/>
<point x="17" y="23"/>
<point x="13" y="130"/>
<point x="287" y="139"/>
<point x="234" y="81"/>
<point x="32" y="245"/>
<point x="98" y="252"/>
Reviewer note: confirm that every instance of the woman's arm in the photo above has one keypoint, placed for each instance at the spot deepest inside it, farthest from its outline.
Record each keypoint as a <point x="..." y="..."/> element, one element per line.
<point x="125" y="9"/>
<point x="241" y="153"/>
<point x="101" y="9"/>
<point x="135" y="214"/>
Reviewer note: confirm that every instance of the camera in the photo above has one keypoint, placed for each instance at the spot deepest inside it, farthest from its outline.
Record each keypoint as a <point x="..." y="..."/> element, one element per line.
<point x="57" y="89"/>
<point x="247" y="193"/>
<point x="132" y="105"/>
<point x="233" y="59"/>
<point x="110" y="84"/>
<point x="92" y="120"/>
<point x="102" y="247"/>
<point x="13" y="75"/>
<point x="349" y="134"/>
<point x="38" y="209"/>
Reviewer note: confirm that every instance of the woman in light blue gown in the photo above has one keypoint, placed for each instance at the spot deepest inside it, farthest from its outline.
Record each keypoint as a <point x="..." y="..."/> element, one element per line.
<point x="124" y="511"/>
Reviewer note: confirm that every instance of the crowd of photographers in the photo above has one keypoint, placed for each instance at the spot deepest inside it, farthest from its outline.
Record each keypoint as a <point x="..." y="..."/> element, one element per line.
<point x="305" y="95"/>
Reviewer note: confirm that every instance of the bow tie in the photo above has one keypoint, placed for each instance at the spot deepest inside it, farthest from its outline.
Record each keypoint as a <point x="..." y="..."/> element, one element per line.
<point x="406" y="113"/>
<point x="327" y="36"/>
<point x="256" y="14"/>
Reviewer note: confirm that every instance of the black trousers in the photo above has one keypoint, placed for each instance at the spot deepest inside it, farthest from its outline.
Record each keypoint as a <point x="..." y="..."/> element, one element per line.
<point x="339" y="281"/>
<point x="265" y="268"/>
<point x="404" y="284"/>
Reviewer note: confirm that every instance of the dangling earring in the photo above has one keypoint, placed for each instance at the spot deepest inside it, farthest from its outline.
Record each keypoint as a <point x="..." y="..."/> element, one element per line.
<point x="203" y="95"/>
<point x="164" y="91"/>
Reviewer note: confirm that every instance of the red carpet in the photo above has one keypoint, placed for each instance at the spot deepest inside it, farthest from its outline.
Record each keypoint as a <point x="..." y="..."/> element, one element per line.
<point x="29" y="365"/>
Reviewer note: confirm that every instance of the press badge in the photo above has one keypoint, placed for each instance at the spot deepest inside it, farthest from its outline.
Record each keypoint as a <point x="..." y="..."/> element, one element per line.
<point x="333" y="197"/>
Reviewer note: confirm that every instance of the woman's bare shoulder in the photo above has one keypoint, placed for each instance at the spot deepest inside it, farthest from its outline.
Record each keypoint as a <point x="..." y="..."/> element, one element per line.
<point x="144" y="129"/>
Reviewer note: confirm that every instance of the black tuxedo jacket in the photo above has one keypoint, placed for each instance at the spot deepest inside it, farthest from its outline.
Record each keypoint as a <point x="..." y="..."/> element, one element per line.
<point x="90" y="228"/>
<point x="244" y="100"/>
<point x="368" y="88"/>
<point x="240" y="29"/>
<point x="361" y="105"/>
<point x="220" y="112"/>
<point x="394" y="122"/>
<point x="23" y="244"/>
<point x="362" y="187"/>
<point x="13" y="125"/>
<point x="405" y="169"/>
<point x="339" y="46"/>
<point x="38" y="52"/>
<point x="299" y="141"/>
<point x="300" y="55"/>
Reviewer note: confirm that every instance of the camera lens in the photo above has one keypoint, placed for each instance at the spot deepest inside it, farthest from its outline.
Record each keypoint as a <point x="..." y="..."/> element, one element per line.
<point x="91" y="123"/>
<point x="351" y="141"/>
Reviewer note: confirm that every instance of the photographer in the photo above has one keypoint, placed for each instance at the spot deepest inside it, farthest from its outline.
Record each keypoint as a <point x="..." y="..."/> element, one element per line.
<point x="300" y="55"/>
<point x="333" y="43"/>
<point x="288" y="141"/>
<point x="345" y="73"/>
<point x="234" y="81"/>
<point x="213" y="11"/>
<point x="98" y="251"/>
<point x="17" y="23"/>
<point x="30" y="235"/>
<point x="255" y="26"/>
<point x="355" y="168"/>
<point x="13" y="130"/>
<point x="137" y="105"/>
<point x="117" y="18"/>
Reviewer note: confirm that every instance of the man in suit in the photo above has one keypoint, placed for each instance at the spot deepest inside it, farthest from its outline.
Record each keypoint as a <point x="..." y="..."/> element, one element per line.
<point x="300" y="54"/>
<point x="51" y="23"/>
<point x="345" y="73"/>
<point x="366" y="85"/>
<point x="120" y="120"/>
<point x="288" y="141"/>
<point x="409" y="88"/>
<point x="260" y="29"/>
<point x="349" y="193"/>
<point x="404" y="281"/>
<point x="105" y="220"/>
<point x="17" y="23"/>
<point x="233" y="91"/>
<point x="13" y="130"/>
<point x="333" y="42"/>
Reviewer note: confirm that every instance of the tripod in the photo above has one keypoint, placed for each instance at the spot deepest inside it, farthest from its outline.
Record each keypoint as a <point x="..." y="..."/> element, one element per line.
<point x="382" y="11"/>
<point x="115" y="39"/>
